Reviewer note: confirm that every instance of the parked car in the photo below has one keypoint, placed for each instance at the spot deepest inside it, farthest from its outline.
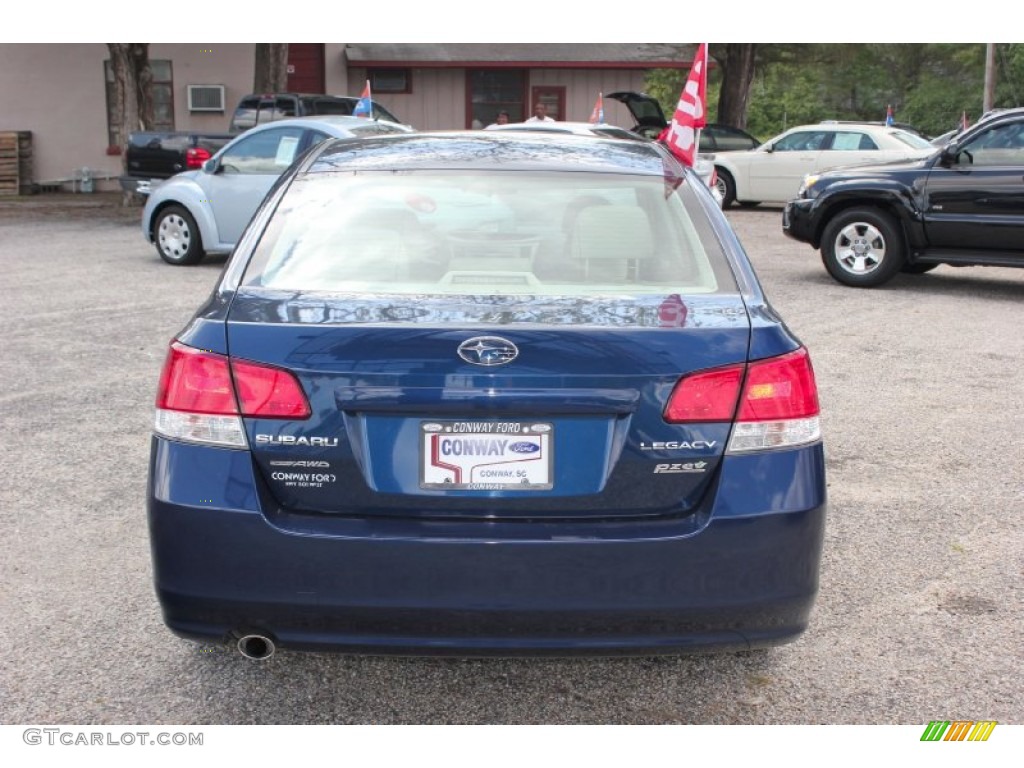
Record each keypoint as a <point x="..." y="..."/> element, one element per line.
<point x="895" y="124"/>
<point x="258" y="108"/>
<point x="154" y="156"/>
<point x="704" y="167"/>
<point x="714" y="138"/>
<point x="773" y="172"/>
<point x="566" y="126"/>
<point x="204" y="211"/>
<point x="960" y="206"/>
<point x="651" y="121"/>
<point x="487" y="393"/>
<point x="943" y="138"/>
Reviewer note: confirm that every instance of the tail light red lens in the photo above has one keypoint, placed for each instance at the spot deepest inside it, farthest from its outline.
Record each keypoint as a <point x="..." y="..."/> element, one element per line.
<point x="706" y="396"/>
<point x="778" y="407"/>
<point x="780" y="388"/>
<point x="777" y="388"/>
<point x="270" y="393"/>
<point x="195" y="157"/>
<point x="197" y="382"/>
<point x="201" y="382"/>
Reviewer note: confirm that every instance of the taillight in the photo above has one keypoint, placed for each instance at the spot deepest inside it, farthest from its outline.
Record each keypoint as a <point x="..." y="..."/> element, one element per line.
<point x="196" y="381"/>
<point x="780" y="388"/>
<point x="777" y="408"/>
<point x="705" y="396"/>
<point x="195" y="157"/>
<point x="203" y="395"/>
<point x="270" y="393"/>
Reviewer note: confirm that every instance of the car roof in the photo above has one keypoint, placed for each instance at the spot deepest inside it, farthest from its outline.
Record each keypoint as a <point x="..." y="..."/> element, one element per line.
<point x="999" y="112"/>
<point x="844" y="125"/>
<point x="993" y="116"/>
<point x="299" y="94"/>
<point x="496" y="150"/>
<point x="876" y="123"/>
<point x="565" y="126"/>
<point x="833" y="125"/>
<point x="325" y="122"/>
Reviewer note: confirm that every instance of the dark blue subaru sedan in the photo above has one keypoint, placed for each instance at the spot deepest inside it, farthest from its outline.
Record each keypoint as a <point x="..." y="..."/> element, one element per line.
<point x="485" y="393"/>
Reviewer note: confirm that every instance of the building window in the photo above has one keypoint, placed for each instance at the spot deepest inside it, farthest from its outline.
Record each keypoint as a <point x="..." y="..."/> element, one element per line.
<point x="390" y="81"/>
<point x="163" y="99"/>
<point x="491" y="91"/>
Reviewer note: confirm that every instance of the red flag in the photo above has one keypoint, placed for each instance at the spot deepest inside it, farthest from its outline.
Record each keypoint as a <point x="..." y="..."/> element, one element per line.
<point x="364" y="107"/>
<point x="691" y="112"/>
<point x="888" y="115"/>
<point x="597" y="115"/>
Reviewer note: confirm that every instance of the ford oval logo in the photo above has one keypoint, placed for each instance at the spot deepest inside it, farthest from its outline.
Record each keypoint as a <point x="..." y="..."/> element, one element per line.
<point x="488" y="350"/>
<point x="524" y="447"/>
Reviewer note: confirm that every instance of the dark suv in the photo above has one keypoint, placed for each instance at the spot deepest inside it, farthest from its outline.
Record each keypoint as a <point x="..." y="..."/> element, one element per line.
<point x="257" y="108"/>
<point x="961" y="206"/>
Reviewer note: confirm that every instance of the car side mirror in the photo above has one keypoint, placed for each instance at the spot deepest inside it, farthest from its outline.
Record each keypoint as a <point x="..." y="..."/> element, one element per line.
<point x="211" y="165"/>
<point x="950" y="153"/>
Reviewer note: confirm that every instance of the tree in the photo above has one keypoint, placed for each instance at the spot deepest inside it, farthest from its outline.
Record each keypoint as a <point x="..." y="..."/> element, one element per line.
<point x="736" y="61"/>
<point x="133" y="102"/>
<point x="731" y="80"/>
<point x="271" y="68"/>
<point x="929" y="85"/>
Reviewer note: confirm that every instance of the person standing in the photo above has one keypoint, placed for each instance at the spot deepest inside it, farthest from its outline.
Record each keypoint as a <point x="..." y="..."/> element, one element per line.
<point x="501" y="119"/>
<point x="540" y="114"/>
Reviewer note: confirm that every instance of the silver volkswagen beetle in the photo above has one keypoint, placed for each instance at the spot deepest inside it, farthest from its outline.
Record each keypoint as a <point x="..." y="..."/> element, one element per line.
<point x="202" y="212"/>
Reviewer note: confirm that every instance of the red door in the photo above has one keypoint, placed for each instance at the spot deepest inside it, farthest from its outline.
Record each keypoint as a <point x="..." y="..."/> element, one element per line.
<point x="306" y="68"/>
<point x="552" y="97"/>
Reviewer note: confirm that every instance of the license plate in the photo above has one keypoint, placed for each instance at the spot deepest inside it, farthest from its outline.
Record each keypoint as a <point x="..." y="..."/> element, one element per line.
<point x="486" y="455"/>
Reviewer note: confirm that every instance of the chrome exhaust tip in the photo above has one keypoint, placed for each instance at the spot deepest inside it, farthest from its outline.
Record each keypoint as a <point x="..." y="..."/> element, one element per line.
<point x="256" y="647"/>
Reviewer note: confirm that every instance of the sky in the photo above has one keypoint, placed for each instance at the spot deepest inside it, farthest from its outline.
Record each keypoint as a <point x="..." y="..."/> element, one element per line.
<point x="524" y="21"/>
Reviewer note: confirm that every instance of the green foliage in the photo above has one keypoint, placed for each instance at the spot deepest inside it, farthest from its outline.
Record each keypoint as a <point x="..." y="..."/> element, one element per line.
<point x="665" y="85"/>
<point x="929" y="85"/>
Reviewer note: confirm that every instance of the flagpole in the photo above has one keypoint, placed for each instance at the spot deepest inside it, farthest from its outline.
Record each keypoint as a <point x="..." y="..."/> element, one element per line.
<point x="990" y="77"/>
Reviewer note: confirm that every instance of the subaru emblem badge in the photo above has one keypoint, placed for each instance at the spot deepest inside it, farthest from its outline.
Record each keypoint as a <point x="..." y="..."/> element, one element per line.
<point x="488" y="350"/>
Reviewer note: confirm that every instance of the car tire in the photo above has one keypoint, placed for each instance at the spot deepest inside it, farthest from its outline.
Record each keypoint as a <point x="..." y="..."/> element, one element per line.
<point x="177" y="237"/>
<point x="862" y="247"/>
<point x="726" y="186"/>
<point x="917" y="269"/>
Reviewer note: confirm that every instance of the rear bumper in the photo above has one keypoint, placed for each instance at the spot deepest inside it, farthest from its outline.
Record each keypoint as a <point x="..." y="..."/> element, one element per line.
<point x="139" y="186"/>
<point x="738" y="579"/>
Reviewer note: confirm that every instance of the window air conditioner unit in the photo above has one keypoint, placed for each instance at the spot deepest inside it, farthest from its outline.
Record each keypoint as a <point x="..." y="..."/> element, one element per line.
<point x="206" y="98"/>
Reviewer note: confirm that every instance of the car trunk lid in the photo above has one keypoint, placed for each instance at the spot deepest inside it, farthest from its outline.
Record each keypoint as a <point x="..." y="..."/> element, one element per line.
<point x="404" y="422"/>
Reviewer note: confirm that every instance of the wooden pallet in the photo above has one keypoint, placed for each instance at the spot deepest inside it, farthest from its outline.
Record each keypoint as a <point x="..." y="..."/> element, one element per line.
<point x="16" y="163"/>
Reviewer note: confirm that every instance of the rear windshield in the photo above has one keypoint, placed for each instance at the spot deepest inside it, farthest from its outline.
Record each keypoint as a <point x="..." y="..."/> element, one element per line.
<point x="342" y="105"/>
<point x="328" y="106"/>
<point x="911" y="139"/>
<point x="501" y="232"/>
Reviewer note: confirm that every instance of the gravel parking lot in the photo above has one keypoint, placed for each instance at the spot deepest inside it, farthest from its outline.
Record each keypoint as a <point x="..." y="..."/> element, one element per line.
<point x="920" y="613"/>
